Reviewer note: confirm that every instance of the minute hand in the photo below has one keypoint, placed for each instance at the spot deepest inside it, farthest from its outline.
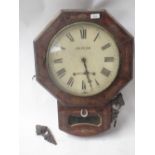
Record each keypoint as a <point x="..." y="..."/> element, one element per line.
<point x="86" y="71"/>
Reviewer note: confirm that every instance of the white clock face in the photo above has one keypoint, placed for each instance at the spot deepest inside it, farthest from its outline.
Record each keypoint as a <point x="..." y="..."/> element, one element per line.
<point x="83" y="59"/>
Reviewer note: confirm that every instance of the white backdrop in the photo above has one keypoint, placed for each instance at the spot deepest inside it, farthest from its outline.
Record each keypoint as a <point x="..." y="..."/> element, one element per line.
<point x="37" y="106"/>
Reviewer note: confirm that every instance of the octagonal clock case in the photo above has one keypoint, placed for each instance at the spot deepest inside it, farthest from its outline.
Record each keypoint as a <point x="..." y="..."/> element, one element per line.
<point x="84" y="59"/>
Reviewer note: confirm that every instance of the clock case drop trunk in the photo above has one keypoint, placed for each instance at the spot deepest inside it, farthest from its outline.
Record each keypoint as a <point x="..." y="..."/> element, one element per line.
<point x="98" y="119"/>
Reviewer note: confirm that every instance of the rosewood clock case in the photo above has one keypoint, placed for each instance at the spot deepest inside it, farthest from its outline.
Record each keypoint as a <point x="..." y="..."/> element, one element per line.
<point x="84" y="116"/>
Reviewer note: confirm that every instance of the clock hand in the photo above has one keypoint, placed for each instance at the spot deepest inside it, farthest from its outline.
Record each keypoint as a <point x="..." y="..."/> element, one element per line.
<point x="86" y="72"/>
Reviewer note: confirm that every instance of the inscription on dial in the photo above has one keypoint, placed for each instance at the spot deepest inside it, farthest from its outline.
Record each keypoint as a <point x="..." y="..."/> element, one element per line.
<point x="105" y="72"/>
<point x="83" y="48"/>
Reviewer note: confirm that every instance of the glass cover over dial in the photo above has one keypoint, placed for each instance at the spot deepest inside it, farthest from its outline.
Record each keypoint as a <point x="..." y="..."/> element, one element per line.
<point x="83" y="59"/>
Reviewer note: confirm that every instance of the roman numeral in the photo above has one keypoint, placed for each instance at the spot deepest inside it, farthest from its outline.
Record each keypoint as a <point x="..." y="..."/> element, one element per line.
<point x="108" y="59"/>
<point x="63" y="48"/>
<point x="70" y="81"/>
<point x="70" y="37"/>
<point x="97" y="82"/>
<point x="58" y="60"/>
<point x="96" y="36"/>
<point x="83" y="33"/>
<point x="83" y="85"/>
<point x="60" y="73"/>
<point x="106" y="46"/>
<point x="105" y="72"/>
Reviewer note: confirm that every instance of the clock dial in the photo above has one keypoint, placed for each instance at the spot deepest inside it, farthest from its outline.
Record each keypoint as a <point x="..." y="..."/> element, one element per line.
<point x="83" y="59"/>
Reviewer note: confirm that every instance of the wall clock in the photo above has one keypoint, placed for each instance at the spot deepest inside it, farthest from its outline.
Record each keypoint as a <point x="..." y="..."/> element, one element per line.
<point x="84" y="59"/>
